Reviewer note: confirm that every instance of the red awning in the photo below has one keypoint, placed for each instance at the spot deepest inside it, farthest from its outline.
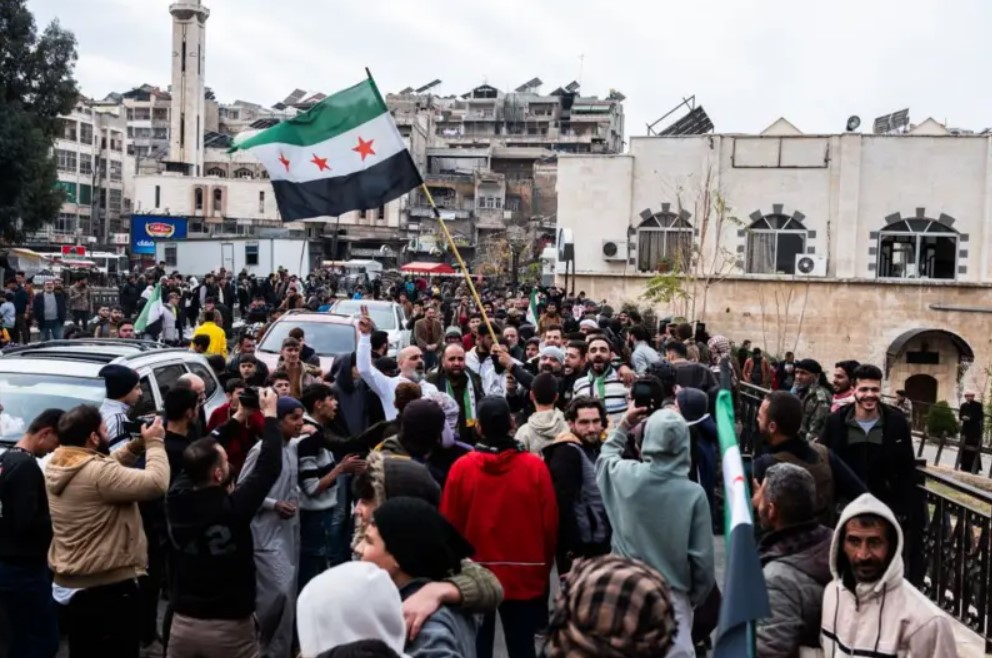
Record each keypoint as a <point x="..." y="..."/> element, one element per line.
<point x="428" y="268"/>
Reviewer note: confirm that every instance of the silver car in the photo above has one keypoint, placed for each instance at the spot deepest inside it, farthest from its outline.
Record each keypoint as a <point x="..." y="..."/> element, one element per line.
<point x="388" y="316"/>
<point x="64" y="373"/>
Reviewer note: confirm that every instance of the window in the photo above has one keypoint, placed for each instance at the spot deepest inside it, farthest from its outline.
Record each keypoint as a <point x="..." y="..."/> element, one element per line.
<point x="229" y="227"/>
<point x="114" y="201"/>
<point x="198" y="199"/>
<point x="86" y="133"/>
<point x="243" y="173"/>
<point x="160" y="114"/>
<point x="251" y="253"/>
<point x="171" y="255"/>
<point x="209" y="380"/>
<point x="146" y="405"/>
<point x="773" y="242"/>
<point x="664" y="242"/>
<point x="196" y="227"/>
<point x="65" y="223"/>
<point x="85" y="194"/>
<point x="141" y="114"/>
<point x="68" y="129"/>
<point x="513" y="203"/>
<point x="380" y="214"/>
<point x="85" y="163"/>
<point x="216" y="171"/>
<point x="69" y="189"/>
<point x="167" y="376"/>
<point x="917" y="249"/>
<point x="218" y="199"/>
<point x="158" y="196"/>
<point x="261" y="202"/>
<point x="66" y="160"/>
<point x="116" y="170"/>
<point x="160" y="133"/>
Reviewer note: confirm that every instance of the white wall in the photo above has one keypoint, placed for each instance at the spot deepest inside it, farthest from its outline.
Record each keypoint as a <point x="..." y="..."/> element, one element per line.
<point x="199" y="257"/>
<point x="844" y="185"/>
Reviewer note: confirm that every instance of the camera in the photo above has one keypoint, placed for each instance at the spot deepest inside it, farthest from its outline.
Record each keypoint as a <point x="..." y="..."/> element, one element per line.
<point x="249" y="398"/>
<point x="647" y="393"/>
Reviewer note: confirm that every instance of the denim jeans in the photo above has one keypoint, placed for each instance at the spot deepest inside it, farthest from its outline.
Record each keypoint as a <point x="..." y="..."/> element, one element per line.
<point x="27" y="611"/>
<point x="50" y="330"/>
<point x="320" y="531"/>
<point x="341" y="544"/>
<point x="521" y="621"/>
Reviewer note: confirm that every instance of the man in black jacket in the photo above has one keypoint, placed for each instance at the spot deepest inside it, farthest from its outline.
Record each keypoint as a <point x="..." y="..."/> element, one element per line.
<point x="27" y="611"/>
<point x="213" y="571"/>
<point x="463" y="385"/>
<point x="874" y="439"/>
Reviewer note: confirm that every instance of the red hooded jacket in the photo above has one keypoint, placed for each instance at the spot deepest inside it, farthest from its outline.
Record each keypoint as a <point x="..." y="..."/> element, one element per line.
<point x="504" y="504"/>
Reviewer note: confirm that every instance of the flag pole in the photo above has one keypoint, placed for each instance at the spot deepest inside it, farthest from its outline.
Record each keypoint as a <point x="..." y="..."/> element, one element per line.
<point x="461" y="263"/>
<point x="452" y="245"/>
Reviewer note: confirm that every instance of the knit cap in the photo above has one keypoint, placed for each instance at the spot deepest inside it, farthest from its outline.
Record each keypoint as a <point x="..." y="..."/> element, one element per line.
<point x="287" y="405"/>
<point x="423" y="543"/>
<point x="555" y="353"/>
<point x="118" y="379"/>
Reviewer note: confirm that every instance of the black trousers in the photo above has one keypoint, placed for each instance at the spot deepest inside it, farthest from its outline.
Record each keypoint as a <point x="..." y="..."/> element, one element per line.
<point x="105" y="621"/>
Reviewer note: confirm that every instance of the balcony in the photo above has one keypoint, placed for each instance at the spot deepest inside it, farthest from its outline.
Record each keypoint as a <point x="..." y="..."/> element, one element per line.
<point x="422" y="210"/>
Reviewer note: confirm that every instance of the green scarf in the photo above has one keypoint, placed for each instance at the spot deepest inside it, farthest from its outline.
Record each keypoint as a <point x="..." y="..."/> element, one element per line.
<point x="468" y="399"/>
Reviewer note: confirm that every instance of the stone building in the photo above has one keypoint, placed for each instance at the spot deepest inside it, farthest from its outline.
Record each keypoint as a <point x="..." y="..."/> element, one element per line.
<point x="872" y="247"/>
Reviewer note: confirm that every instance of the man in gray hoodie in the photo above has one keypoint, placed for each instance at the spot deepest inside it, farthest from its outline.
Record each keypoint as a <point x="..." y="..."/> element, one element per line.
<point x="657" y="514"/>
<point x="547" y="422"/>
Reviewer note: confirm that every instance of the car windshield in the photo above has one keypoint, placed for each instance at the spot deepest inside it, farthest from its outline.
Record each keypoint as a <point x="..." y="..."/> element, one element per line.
<point x="324" y="337"/>
<point x="25" y="395"/>
<point x="383" y="316"/>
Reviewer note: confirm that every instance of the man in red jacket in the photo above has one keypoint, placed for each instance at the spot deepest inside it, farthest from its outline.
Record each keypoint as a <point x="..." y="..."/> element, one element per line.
<point x="500" y="498"/>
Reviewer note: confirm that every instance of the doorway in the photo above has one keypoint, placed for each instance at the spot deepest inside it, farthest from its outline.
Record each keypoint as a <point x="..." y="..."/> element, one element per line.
<point x="227" y="256"/>
<point x="921" y="390"/>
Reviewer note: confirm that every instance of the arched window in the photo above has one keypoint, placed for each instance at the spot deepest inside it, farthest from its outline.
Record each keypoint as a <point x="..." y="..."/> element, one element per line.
<point x="664" y="242"/>
<point x="243" y="173"/>
<point x="216" y="171"/>
<point x="773" y="242"/>
<point x="264" y="175"/>
<point x="218" y="199"/>
<point x="198" y="199"/>
<point x="917" y="249"/>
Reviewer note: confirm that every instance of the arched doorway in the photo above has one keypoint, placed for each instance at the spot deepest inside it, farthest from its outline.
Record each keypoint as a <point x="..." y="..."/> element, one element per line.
<point x="921" y="390"/>
<point x="931" y="361"/>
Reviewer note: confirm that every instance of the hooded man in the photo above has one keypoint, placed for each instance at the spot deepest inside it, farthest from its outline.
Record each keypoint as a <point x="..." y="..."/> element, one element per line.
<point x="501" y="499"/>
<point x="870" y="609"/>
<point x="358" y="406"/>
<point x="694" y="404"/>
<point x="212" y="576"/>
<point x="795" y="556"/>
<point x="583" y="529"/>
<point x="547" y="422"/>
<point x="679" y="543"/>
<point x="276" y="533"/>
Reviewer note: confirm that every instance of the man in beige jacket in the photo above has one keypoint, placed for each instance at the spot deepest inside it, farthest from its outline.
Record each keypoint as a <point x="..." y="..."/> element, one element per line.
<point x="99" y="548"/>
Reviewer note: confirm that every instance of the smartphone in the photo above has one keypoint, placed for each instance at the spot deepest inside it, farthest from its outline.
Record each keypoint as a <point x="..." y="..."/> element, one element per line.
<point x="642" y="394"/>
<point x="133" y="427"/>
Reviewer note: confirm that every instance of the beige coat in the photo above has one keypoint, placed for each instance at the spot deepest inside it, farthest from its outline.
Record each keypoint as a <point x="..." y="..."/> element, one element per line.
<point x="98" y="535"/>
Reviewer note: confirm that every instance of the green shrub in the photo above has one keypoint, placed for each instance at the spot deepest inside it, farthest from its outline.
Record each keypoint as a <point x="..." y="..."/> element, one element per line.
<point x="941" y="420"/>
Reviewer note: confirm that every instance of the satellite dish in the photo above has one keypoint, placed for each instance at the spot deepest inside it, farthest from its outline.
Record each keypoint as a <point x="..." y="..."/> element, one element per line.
<point x="853" y="122"/>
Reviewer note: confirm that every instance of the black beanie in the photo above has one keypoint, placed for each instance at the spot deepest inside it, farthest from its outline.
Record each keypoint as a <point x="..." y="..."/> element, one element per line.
<point x="422" y="541"/>
<point x="404" y="477"/>
<point x="494" y="417"/>
<point x="119" y="380"/>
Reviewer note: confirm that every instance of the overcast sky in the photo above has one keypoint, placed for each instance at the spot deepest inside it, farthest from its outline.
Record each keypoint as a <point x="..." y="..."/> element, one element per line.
<point x="747" y="61"/>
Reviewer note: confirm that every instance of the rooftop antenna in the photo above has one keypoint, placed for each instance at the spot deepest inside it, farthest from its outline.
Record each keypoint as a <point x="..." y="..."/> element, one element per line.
<point x="582" y="63"/>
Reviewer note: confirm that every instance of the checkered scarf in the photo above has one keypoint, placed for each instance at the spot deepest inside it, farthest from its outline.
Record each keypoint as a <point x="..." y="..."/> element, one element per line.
<point x="612" y="607"/>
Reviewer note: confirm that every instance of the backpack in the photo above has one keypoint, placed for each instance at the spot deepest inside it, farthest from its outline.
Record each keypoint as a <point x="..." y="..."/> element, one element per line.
<point x="588" y="509"/>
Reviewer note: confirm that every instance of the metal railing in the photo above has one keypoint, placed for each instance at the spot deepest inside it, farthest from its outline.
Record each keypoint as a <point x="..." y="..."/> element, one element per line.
<point x="957" y="531"/>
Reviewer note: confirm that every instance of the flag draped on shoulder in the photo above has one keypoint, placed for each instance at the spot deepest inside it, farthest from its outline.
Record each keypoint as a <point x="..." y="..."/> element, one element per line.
<point x="532" y="308"/>
<point x="745" y="596"/>
<point x="152" y="312"/>
<point x="343" y="154"/>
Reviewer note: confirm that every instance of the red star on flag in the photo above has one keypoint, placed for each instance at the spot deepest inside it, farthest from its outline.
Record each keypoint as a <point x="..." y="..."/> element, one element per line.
<point x="320" y="162"/>
<point x="364" y="148"/>
<point x="284" y="161"/>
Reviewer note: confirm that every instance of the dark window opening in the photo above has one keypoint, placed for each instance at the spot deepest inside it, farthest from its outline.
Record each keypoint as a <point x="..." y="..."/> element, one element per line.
<point x="917" y="249"/>
<point x="184" y="56"/>
<point x="158" y="196"/>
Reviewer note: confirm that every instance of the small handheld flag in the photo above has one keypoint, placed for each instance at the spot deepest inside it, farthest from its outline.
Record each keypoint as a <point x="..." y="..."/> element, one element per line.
<point x="745" y="596"/>
<point x="152" y="311"/>
<point x="532" y="308"/>
<point x="343" y="154"/>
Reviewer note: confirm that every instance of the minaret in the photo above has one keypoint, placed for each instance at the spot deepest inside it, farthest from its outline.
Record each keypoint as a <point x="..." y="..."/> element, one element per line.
<point x="189" y="19"/>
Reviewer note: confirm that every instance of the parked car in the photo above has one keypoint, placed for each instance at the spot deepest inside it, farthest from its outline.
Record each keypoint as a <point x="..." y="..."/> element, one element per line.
<point x="329" y="334"/>
<point x="388" y="316"/>
<point x="64" y="373"/>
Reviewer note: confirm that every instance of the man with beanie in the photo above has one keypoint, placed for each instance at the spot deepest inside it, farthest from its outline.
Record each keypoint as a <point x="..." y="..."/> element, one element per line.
<point x="463" y="385"/>
<point x="816" y="399"/>
<point x="212" y="578"/>
<point x="99" y="548"/>
<point x="547" y="422"/>
<point x="501" y="499"/>
<point x="410" y="540"/>
<point x="551" y="359"/>
<point x="604" y="594"/>
<point x="123" y="392"/>
<point x="678" y="543"/>
<point x="276" y="531"/>
<point x="421" y="437"/>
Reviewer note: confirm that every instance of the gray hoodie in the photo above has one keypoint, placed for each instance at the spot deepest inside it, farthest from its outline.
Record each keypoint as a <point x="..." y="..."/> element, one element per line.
<point x="541" y="429"/>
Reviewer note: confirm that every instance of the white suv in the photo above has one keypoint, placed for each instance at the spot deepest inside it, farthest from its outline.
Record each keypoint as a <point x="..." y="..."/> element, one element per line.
<point x="64" y="373"/>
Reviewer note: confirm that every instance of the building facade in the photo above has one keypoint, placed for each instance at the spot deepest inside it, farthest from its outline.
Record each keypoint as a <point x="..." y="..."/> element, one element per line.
<point x="872" y="247"/>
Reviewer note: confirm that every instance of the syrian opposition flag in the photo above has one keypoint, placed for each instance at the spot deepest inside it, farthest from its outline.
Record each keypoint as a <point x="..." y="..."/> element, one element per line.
<point x="532" y="307"/>
<point x="745" y="597"/>
<point x="343" y="154"/>
<point x="152" y="312"/>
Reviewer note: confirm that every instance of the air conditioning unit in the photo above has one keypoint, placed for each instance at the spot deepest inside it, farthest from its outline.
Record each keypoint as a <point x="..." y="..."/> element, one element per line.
<point x="615" y="250"/>
<point x="811" y="265"/>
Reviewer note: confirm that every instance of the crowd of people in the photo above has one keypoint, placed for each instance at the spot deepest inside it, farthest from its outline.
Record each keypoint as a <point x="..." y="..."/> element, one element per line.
<point x="557" y="469"/>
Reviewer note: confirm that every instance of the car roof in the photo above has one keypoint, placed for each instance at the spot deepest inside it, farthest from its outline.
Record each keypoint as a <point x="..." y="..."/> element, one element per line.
<point x="314" y="316"/>
<point x="371" y="303"/>
<point x="86" y="357"/>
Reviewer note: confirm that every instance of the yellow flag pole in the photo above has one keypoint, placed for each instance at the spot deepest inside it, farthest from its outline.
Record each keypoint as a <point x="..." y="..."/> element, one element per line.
<point x="461" y="263"/>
